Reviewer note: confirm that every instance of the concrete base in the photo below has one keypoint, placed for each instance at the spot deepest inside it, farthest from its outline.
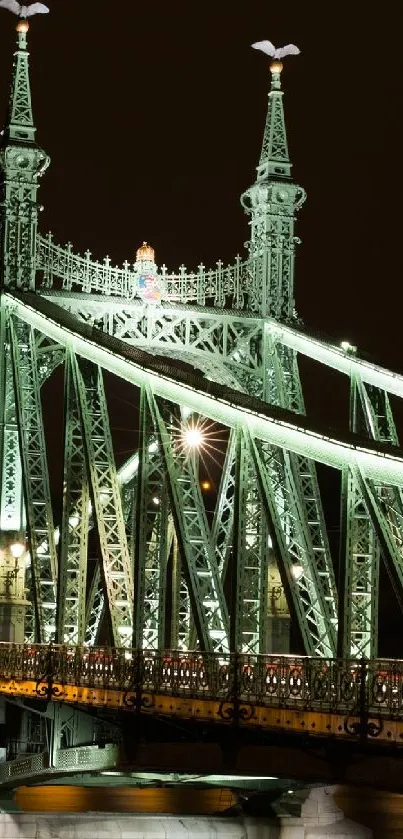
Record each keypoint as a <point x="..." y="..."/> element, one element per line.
<point x="119" y="826"/>
<point x="320" y="820"/>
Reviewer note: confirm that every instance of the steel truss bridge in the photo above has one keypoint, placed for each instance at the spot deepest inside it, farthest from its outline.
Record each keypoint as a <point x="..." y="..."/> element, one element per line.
<point x="212" y="353"/>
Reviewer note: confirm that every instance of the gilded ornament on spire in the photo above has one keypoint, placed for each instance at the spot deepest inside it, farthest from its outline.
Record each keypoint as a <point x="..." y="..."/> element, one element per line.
<point x="145" y="252"/>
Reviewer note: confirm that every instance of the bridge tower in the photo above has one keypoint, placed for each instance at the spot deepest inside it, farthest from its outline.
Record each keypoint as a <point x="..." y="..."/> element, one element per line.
<point x="22" y="163"/>
<point x="272" y="203"/>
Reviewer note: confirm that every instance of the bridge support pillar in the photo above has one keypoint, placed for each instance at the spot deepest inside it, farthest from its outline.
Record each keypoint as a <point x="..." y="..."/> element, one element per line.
<point x="322" y="819"/>
<point x="13" y="602"/>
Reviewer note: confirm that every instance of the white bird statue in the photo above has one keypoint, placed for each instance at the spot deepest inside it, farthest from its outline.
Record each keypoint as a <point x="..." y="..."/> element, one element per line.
<point x="24" y="11"/>
<point x="270" y="49"/>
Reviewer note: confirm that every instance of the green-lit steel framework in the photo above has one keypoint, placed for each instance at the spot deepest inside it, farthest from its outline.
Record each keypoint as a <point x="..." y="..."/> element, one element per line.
<point x="167" y="575"/>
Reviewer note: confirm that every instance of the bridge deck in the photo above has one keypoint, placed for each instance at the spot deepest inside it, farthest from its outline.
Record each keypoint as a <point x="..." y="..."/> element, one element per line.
<point x="325" y="697"/>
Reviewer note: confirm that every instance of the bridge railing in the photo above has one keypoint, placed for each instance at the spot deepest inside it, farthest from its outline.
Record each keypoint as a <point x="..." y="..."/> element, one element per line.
<point x="268" y="680"/>
<point x="220" y="286"/>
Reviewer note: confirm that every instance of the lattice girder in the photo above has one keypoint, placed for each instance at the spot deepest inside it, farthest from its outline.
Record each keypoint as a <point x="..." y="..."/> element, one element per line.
<point x="75" y="523"/>
<point x="282" y="505"/>
<point x="35" y="477"/>
<point x="250" y="556"/>
<point x="95" y="608"/>
<point x="224" y="511"/>
<point x="360" y="558"/>
<point x="284" y="389"/>
<point x="106" y="500"/>
<point x="152" y="545"/>
<point x="12" y="515"/>
<point x="370" y="414"/>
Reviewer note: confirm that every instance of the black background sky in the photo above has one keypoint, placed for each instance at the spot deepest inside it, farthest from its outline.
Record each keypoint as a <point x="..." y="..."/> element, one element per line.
<point x="153" y="115"/>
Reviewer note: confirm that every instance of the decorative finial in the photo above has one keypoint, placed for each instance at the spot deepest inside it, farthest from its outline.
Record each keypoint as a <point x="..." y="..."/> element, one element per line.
<point x="22" y="26"/>
<point x="23" y="11"/>
<point x="276" y="53"/>
<point x="276" y="67"/>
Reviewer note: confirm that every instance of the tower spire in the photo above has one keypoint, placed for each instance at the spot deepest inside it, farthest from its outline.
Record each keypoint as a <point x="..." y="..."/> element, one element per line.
<point x="22" y="163"/>
<point x="20" y="123"/>
<point x="274" y="157"/>
<point x="272" y="202"/>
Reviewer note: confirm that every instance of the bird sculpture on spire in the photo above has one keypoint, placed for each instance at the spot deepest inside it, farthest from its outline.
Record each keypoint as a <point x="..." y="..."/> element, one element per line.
<point x="24" y="11"/>
<point x="276" y="53"/>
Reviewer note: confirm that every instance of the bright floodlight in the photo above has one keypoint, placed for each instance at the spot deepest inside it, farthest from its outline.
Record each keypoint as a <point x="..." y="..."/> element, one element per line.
<point x="193" y="437"/>
<point x="297" y="571"/>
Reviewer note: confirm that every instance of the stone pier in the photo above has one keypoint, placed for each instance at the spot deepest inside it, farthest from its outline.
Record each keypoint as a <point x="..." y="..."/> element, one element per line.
<point x="320" y="818"/>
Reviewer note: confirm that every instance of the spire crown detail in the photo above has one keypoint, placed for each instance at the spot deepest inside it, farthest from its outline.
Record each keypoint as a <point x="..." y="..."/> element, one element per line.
<point x="274" y="157"/>
<point x="20" y="123"/>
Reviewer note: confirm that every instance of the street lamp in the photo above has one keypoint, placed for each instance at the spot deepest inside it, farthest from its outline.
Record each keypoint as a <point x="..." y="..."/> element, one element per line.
<point x="17" y="549"/>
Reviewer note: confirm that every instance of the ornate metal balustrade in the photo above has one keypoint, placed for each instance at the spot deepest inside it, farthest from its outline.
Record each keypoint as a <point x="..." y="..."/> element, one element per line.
<point x="321" y="684"/>
<point x="225" y="285"/>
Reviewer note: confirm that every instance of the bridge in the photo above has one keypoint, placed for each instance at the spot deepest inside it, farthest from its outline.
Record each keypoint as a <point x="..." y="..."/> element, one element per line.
<point x="133" y="597"/>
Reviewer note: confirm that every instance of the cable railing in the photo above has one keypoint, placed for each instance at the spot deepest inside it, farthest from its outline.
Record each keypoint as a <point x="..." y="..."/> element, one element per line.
<point x="224" y="285"/>
<point x="295" y="682"/>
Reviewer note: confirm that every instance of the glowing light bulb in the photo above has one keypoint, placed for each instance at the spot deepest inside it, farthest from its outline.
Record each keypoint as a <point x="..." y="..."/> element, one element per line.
<point x="297" y="571"/>
<point x="205" y="485"/>
<point x="193" y="437"/>
<point x="17" y="549"/>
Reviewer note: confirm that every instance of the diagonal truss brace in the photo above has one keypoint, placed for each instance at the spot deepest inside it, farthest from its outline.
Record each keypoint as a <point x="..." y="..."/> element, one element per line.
<point x="199" y="562"/>
<point x="152" y="545"/>
<point x="370" y="413"/>
<point x="35" y="477"/>
<point x="75" y="523"/>
<point x="384" y="505"/>
<point x="281" y="502"/>
<point x="224" y="511"/>
<point x="283" y="388"/>
<point x="250" y="557"/>
<point x="106" y="499"/>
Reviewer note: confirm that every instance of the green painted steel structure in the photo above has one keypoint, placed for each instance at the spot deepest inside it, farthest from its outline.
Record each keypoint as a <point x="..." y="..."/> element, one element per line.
<point x="167" y="574"/>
